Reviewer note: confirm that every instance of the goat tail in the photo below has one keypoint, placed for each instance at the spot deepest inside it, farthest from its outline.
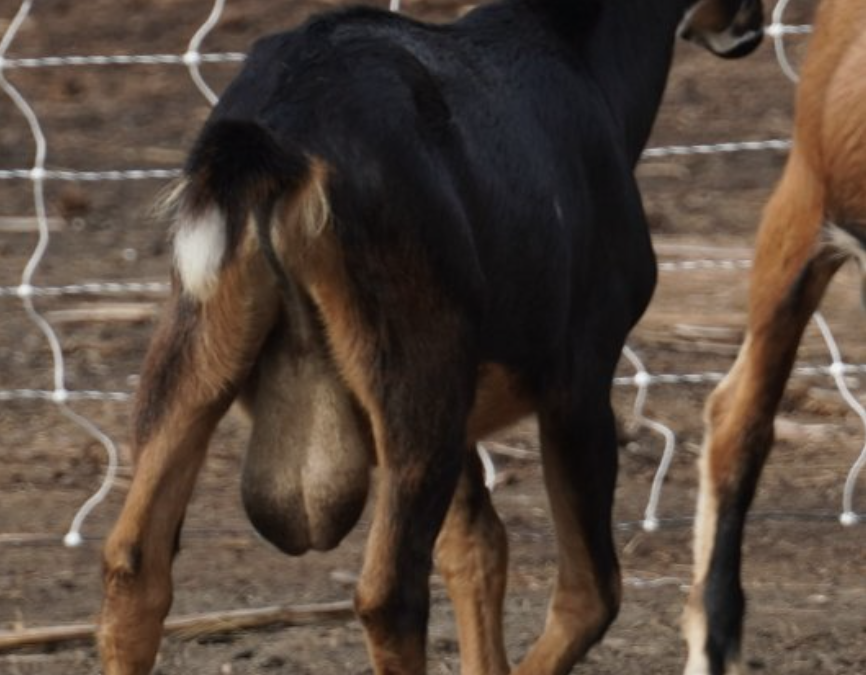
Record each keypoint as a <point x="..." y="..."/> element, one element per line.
<point x="237" y="173"/>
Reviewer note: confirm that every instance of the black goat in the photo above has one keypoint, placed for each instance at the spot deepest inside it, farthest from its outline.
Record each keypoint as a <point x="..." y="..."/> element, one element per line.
<point x="394" y="238"/>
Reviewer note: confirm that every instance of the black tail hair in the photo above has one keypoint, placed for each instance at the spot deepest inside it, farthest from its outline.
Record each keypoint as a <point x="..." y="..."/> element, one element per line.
<point x="238" y="166"/>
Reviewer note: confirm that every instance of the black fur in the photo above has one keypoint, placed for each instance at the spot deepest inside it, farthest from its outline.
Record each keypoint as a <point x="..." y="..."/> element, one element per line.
<point x="238" y="166"/>
<point x="724" y="600"/>
<point x="484" y="169"/>
<point x="500" y="146"/>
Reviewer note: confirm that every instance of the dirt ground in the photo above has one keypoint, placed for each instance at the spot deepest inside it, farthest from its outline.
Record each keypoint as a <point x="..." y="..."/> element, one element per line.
<point x="805" y="575"/>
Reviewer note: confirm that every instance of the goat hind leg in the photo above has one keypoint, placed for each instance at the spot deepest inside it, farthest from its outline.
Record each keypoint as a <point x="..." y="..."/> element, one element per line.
<point x="472" y="555"/>
<point x="197" y="360"/>
<point x="790" y="274"/>
<point x="417" y="397"/>
<point x="420" y="465"/>
<point x="580" y="465"/>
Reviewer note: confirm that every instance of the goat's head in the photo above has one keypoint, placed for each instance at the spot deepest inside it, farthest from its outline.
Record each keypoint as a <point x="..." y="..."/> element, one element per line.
<point x="728" y="28"/>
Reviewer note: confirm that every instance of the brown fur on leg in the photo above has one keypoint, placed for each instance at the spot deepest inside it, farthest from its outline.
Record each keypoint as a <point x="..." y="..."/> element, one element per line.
<point x="200" y="355"/>
<point x="472" y="555"/>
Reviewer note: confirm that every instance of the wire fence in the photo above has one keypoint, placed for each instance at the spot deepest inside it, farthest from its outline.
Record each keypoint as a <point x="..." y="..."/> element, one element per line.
<point x="39" y="174"/>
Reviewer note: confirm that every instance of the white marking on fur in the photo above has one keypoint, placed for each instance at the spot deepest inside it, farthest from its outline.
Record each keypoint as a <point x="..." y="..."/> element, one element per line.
<point x="699" y="664"/>
<point x="725" y="41"/>
<point x="557" y="209"/>
<point x="306" y="217"/>
<point x="728" y="41"/>
<point x="315" y="210"/>
<point x="845" y="242"/>
<point x="695" y="618"/>
<point x="695" y="628"/>
<point x="199" y="249"/>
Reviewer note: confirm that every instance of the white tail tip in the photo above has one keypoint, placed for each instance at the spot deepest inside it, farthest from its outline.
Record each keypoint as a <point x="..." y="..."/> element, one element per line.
<point x="199" y="249"/>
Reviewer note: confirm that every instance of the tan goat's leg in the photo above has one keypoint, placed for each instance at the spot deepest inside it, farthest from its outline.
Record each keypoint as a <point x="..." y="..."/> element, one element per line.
<point x="790" y="274"/>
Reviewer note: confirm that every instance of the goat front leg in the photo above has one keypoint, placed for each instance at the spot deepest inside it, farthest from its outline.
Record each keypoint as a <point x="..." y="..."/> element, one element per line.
<point x="199" y="356"/>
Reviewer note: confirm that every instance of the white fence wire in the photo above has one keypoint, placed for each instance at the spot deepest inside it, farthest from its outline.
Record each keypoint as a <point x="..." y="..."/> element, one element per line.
<point x="37" y="175"/>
